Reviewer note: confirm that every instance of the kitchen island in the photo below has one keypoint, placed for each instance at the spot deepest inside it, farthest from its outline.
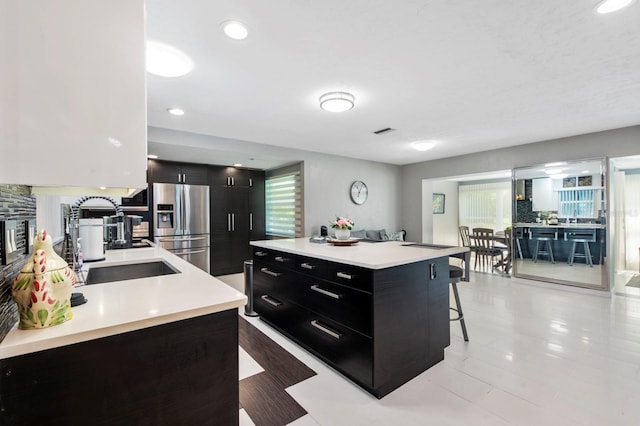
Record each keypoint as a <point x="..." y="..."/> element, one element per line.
<point x="156" y="350"/>
<point x="376" y="312"/>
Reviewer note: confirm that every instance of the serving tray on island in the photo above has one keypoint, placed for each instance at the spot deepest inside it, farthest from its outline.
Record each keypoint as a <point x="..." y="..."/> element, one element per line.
<point x="349" y="242"/>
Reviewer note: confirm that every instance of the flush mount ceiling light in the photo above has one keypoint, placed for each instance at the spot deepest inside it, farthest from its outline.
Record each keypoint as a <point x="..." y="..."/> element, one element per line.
<point x="337" y="101"/>
<point x="235" y="30"/>
<point x="167" y="61"/>
<point x="175" y="111"/>
<point x="423" y="145"/>
<point x="152" y="156"/>
<point x="609" y="6"/>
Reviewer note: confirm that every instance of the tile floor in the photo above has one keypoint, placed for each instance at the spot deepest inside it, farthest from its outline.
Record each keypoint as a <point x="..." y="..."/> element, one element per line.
<point x="536" y="356"/>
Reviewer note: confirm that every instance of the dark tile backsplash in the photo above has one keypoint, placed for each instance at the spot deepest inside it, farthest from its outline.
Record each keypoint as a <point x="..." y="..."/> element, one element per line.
<point x="16" y="203"/>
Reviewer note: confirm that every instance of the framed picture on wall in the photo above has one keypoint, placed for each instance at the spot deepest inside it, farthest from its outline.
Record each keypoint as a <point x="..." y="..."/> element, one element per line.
<point x="438" y="203"/>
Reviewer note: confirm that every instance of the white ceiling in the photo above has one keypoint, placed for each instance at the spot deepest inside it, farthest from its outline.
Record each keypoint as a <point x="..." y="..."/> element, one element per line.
<point x="473" y="75"/>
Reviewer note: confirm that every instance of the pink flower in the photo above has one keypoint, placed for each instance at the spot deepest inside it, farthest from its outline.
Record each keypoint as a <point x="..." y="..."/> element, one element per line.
<point x="342" y="223"/>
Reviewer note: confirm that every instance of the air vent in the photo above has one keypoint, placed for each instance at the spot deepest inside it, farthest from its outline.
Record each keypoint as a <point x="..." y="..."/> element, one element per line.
<point x="383" y="131"/>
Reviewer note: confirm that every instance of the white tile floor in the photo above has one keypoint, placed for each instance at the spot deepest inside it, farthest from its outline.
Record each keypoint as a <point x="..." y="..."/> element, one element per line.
<point x="536" y="356"/>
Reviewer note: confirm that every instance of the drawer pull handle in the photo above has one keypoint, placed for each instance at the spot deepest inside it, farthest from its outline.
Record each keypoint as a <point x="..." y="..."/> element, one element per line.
<point x="268" y="272"/>
<point x="317" y="288"/>
<point x="307" y="266"/>
<point x="261" y="254"/>
<point x="270" y="300"/>
<point x="280" y="259"/>
<point x="324" y="328"/>
<point x="345" y="276"/>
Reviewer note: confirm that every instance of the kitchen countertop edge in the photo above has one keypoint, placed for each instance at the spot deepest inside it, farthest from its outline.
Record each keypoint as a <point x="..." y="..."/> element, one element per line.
<point x="378" y="255"/>
<point x="123" y="306"/>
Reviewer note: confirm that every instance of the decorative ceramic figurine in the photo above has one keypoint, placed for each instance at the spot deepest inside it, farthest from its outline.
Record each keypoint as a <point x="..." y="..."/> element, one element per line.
<point x="42" y="289"/>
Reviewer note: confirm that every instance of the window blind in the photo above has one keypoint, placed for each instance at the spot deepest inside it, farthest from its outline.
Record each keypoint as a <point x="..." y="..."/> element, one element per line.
<point x="485" y="205"/>
<point x="283" y="202"/>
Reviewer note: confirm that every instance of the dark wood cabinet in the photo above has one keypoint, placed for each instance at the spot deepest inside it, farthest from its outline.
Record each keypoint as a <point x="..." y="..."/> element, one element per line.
<point x="172" y="172"/>
<point x="184" y="372"/>
<point x="379" y="327"/>
<point x="237" y="217"/>
<point x="257" y="212"/>
<point x="230" y="176"/>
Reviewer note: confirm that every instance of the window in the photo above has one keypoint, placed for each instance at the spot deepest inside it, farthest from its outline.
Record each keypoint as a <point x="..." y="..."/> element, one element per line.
<point x="485" y="205"/>
<point x="283" y="199"/>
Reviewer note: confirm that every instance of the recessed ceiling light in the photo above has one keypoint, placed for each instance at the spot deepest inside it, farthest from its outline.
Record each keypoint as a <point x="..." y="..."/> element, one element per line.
<point x="103" y="187"/>
<point x="559" y="176"/>
<point x="423" y="145"/>
<point x="337" y="101"/>
<point x="152" y="156"/>
<point x="167" y="61"/>
<point x="235" y="30"/>
<point x="115" y="142"/>
<point x="609" y="6"/>
<point x="559" y="163"/>
<point x="553" y="171"/>
<point x="585" y="171"/>
<point x="175" y="111"/>
<point x="237" y="165"/>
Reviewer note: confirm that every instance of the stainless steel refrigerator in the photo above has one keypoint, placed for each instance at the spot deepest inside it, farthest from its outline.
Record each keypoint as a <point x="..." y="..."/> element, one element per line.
<point x="181" y="221"/>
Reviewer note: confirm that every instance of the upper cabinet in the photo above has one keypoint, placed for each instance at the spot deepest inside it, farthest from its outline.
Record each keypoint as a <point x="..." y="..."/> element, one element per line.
<point x="231" y="176"/>
<point x="170" y="172"/>
<point x="73" y="104"/>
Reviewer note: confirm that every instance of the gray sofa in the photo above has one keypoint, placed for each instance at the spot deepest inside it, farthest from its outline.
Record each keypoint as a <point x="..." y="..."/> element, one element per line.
<point x="377" y="235"/>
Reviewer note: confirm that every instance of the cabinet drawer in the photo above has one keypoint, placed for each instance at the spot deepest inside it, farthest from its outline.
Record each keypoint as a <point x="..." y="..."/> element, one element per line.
<point x="314" y="267"/>
<point x="342" y="304"/>
<point x="272" y="279"/>
<point x="351" y="276"/>
<point x="346" y="349"/>
<point x="277" y="258"/>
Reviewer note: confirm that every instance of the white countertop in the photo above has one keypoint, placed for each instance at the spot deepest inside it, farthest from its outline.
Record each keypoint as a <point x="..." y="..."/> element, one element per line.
<point x="561" y="225"/>
<point x="378" y="255"/>
<point x="123" y="306"/>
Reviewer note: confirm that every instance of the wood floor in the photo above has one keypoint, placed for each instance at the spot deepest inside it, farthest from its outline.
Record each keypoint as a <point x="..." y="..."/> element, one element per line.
<point x="263" y="395"/>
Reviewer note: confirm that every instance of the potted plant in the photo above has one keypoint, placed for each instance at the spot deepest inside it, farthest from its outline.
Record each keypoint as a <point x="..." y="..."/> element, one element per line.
<point x="343" y="227"/>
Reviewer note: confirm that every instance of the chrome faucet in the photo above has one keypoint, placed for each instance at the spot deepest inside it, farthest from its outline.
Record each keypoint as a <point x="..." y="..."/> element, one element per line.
<point x="74" y="222"/>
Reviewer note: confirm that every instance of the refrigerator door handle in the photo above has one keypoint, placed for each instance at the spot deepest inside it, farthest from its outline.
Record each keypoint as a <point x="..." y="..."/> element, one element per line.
<point x="171" y="240"/>
<point x="250" y="221"/>
<point x="233" y="221"/>
<point x="229" y="222"/>
<point x="177" y="253"/>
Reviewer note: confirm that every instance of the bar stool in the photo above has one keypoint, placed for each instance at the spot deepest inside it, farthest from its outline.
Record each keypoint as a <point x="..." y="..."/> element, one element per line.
<point x="584" y="236"/>
<point x="546" y="236"/>
<point x="455" y="275"/>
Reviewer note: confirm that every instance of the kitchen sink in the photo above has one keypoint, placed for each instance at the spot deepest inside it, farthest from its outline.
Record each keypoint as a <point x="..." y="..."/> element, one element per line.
<point x="132" y="271"/>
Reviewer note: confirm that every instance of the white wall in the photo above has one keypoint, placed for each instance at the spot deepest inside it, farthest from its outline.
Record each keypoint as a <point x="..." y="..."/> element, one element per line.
<point x="612" y="143"/>
<point x="327" y="180"/>
<point x="445" y="226"/>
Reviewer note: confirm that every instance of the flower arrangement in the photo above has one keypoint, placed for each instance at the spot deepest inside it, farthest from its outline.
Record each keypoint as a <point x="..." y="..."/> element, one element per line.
<point x="553" y="216"/>
<point x="342" y="223"/>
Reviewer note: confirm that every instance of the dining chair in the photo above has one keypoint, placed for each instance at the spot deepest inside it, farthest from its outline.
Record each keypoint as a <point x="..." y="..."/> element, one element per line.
<point x="486" y="250"/>
<point x="466" y="242"/>
<point x="508" y="241"/>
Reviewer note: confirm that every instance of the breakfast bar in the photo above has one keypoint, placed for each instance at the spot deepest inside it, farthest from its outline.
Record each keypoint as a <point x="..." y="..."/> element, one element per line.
<point x="376" y="312"/>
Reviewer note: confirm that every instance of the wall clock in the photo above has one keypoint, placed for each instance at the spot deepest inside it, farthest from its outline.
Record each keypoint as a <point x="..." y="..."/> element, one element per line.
<point x="359" y="192"/>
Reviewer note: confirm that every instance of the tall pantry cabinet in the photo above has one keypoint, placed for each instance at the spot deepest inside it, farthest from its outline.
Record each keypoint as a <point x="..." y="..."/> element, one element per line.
<point x="237" y="216"/>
